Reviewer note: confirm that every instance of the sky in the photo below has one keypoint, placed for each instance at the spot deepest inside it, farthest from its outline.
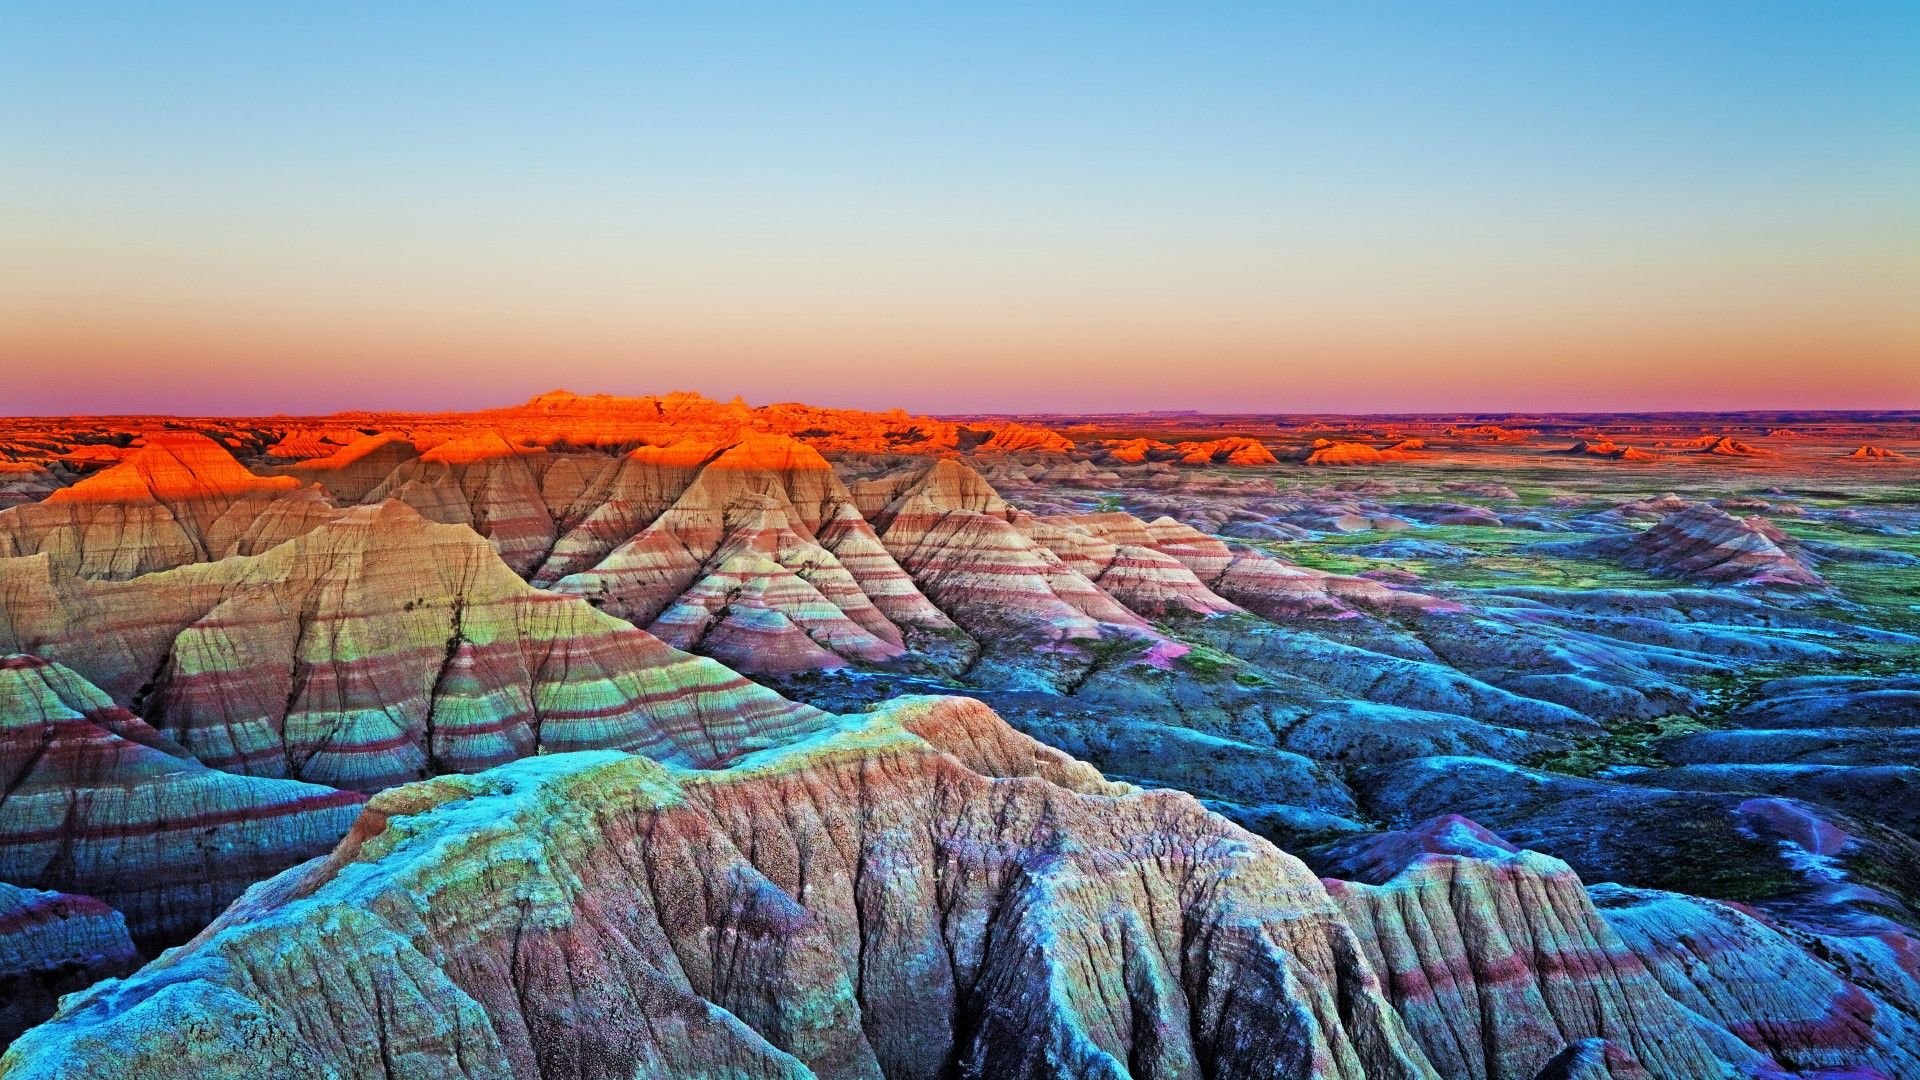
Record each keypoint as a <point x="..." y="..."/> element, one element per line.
<point x="1365" y="207"/>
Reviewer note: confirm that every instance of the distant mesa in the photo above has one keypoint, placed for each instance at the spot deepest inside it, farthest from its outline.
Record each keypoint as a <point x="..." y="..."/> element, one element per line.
<point x="1228" y="451"/>
<point x="1136" y="451"/>
<point x="1603" y="447"/>
<point x="1728" y="446"/>
<point x="1364" y="453"/>
<point x="1493" y="432"/>
<point x="1718" y="446"/>
<point x="1875" y="453"/>
<point x="560" y="418"/>
<point x="1234" y="451"/>
<point x="1014" y="437"/>
<point x="1705" y="544"/>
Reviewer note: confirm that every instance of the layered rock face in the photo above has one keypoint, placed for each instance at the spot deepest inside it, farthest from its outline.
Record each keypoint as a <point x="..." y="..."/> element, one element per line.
<point x="960" y="543"/>
<point x="1778" y="990"/>
<point x="379" y="648"/>
<point x="764" y="562"/>
<point x="97" y="802"/>
<point x="181" y="498"/>
<point x="914" y="893"/>
<point x="1706" y="544"/>
<point x="51" y="944"/>
<point x="1500" y="964"/>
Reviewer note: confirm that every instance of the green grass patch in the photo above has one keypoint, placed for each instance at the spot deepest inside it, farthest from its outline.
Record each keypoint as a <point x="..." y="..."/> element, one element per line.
<point x="1626" y="742"/>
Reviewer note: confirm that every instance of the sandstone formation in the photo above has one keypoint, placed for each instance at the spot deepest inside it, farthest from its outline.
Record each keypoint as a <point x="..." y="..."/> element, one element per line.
<point x="1607" y="448"/>
<point x="1876" y="453"/>
<point x="1763" y="983"/>
<point x="763" y="561"/>
<point x="96" y="802"/>
<point x="1235" y="451"/>
<point x="1364" y="454"/>
<point x="931" y="894"/>
<point x="1499" y="962"/>
<point x="375" y="649"/>
<point x="1724" y="446"/>
<point x="50" y="944"/>
<point x="1705" y="544"/>
<point x="560" y="418"/>
<point x="180" y="498"/>
<point x="351" y="472"/>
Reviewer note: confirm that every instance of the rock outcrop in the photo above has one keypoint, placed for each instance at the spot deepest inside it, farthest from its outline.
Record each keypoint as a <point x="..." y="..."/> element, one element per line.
<point x="181" y="498"/>
<point x="1764" y="983"/>
<point x="1701" y="543"/>
<point x="1607" y="448"/>
<point x="1364" y="453"/>
<point x="50" y="944"/>
<point x="1234" y="451"/>
<point x="1706" y="544"/>
<point x="1875" y="453"/>
<point x="915" y="893"/>
<point x="1499" y="963"/>
<point x="98" y="803"/>
<point x="746" y="565"/>
<point x="376" y="649"/>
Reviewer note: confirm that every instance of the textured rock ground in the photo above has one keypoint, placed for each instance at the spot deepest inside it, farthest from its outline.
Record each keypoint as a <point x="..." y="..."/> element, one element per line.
<point x="1695" y="671"/>
<point x="929" y="891"/>
<point x="375" y="649"/>
<point x="51" y="944"/>
<point x="1500" y="964"/>
<point x="97" y="802"/>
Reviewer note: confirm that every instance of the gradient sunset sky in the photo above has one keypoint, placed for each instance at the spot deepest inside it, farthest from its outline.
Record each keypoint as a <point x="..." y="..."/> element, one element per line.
<point x="1343" y="207"/>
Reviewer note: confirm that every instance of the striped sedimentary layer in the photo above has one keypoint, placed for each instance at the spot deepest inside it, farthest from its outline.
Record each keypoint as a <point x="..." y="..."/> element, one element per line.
<point x="987" y="566"/>
<point x="485" y="483"/>
<point x="377" y="649"/>
<point x="1499" y="963"/>
<point x="1777" y="989"/>
<point x="1705" y="544"/>
<point x="52" y="943"/>
<point x="97" y="802"/>
<point x="1118" y="553"/>
<point x="918" y="892"/>
<point x="746" y="565"/>
<point x="179" y="498"/>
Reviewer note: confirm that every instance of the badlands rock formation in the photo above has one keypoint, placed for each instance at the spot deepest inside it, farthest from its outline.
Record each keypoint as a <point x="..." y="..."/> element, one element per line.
<point x="50" y="944"/>
<point x="764" y="562"/>
<point x="180" y="498"/>
<point x="930" y="894"/>
<point x="1499" y="962"/>
<point x="375" y="649"/>
<point x="1364" y="454"/>
<point x="1706" y="544"/>
<point x="97" y="802"/>
<point x="1876" y="453"/>
<point x="224" y="634"/>
<point x="1603" y="447"/>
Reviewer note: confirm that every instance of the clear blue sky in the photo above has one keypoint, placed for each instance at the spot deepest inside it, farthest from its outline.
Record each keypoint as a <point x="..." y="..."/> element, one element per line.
<point x="1338" y="206"/>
